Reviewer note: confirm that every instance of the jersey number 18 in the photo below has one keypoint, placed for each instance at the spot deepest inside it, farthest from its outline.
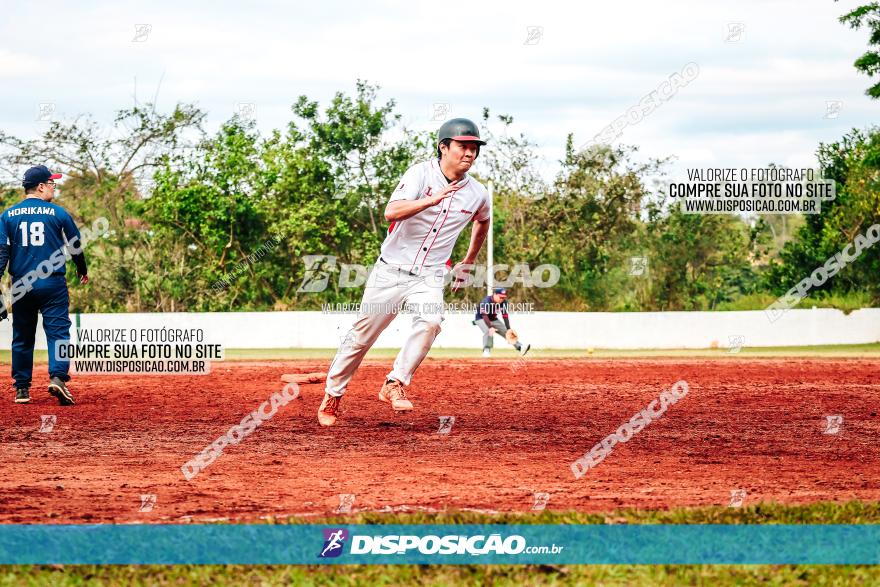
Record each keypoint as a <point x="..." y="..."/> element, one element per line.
<point x="37" y="234"/>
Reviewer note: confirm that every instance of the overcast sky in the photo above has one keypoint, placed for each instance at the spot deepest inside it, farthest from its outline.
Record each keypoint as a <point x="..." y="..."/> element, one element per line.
<point x="761" y="95"/>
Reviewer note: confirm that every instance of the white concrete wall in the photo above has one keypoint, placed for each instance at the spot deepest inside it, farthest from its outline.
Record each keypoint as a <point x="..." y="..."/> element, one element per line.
<point x="550" y="330"/>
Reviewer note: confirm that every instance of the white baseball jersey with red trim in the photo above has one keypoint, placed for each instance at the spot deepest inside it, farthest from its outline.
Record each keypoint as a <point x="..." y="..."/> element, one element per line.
<point x="427" y="239"/>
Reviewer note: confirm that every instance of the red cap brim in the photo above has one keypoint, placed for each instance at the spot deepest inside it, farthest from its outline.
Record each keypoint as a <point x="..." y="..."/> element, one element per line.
<point x="55" y="176"/>
<point x="469" y="138"/>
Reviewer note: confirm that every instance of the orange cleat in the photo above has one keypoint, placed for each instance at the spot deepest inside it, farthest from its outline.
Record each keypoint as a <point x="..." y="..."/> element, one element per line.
<point x="392" y="393"/>
<point x="329" y="410"/>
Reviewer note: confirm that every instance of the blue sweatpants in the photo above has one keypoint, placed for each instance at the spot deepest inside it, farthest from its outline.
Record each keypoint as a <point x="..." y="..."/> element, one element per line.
<point x="49" y="298"/>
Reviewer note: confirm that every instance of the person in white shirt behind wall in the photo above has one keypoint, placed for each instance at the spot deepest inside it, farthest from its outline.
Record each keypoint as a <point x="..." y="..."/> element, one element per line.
<point x="433" y="203"/>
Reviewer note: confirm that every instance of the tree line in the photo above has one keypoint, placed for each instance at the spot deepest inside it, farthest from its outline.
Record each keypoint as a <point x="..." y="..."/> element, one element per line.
<point x="224" y="221"/>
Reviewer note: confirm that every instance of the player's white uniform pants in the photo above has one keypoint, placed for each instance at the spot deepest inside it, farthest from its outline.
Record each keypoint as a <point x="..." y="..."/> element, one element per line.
<point x="498" y="325"/>
<point x="387" y="291"/>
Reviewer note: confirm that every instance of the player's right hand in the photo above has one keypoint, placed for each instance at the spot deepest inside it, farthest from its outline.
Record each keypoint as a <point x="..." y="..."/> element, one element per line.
<point x="461" y="275"/>
<point x="83" y="279"/>
<point x="491" y="332"/>
<point x="448" y="191"/>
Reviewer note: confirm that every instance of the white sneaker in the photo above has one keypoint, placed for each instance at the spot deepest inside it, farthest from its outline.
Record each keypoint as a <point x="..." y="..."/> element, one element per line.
<point x="487" y="352"/>
<point x="524" y="348"/>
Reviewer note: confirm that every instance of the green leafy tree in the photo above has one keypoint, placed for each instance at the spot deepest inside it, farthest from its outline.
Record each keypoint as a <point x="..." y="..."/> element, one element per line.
<point x="697" y="260"/>
<point x="868" y="16"/>
<point x="317" y="189"/>
<point x="590" y="220"/>
<point x="107" y="174"/>
<point x="205" y="203"/>
<point x="226" y="221"/>
<point x="854" y="164"/>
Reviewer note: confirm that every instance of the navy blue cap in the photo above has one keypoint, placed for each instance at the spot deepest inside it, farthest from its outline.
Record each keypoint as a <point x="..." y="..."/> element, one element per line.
<point x="500" y="290"/>
<point x="37" y="175"/>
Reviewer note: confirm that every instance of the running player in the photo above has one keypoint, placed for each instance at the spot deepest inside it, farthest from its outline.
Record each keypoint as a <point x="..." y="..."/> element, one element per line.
<point x="432" y="205"/>
<point x="33" y="237"/>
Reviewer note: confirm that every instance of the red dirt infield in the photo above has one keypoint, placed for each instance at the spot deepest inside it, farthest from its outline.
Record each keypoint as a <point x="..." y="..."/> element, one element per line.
<point x="746" y="424"/>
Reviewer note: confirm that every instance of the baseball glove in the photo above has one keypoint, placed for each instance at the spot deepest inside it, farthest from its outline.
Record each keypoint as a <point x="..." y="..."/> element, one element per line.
<point x="511" y="336"/>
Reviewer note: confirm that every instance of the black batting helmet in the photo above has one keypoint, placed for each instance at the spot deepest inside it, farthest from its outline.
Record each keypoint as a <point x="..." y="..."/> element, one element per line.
<point x="459" y="129"/>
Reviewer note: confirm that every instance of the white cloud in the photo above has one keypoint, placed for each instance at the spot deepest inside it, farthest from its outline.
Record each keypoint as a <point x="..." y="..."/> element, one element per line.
<point x="15" y="64"/>
<point x="761" y="98"/>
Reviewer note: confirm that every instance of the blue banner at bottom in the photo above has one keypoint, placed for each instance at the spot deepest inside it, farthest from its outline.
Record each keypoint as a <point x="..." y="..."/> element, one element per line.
<point x="439" y="544"/>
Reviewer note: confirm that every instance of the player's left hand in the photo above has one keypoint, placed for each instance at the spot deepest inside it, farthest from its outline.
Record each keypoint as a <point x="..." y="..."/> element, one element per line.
<point x="83" y="279"/>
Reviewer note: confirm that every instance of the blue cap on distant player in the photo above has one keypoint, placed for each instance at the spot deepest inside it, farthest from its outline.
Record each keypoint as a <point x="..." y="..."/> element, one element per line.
<point x="37" y="175"/>
<point x="500" y="290"/>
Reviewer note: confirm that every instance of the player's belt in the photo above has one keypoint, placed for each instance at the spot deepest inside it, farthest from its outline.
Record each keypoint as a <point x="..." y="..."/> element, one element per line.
<point x="398" y="268"/>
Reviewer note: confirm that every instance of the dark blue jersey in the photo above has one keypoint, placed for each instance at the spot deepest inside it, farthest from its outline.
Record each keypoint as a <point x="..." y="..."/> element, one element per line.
<point x="31" y="232"/>
<point x="491" y="309"/>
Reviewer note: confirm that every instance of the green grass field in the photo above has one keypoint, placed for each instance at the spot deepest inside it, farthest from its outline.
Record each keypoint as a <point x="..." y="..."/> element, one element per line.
<point x="830" y="351"/>
<point x="828" y="513"/>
